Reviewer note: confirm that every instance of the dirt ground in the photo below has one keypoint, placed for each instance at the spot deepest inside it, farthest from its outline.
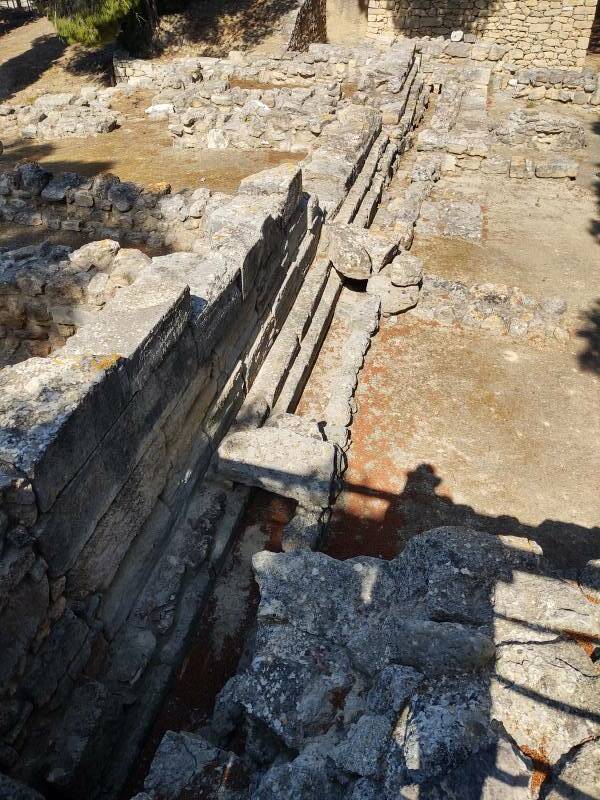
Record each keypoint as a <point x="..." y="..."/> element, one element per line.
<point x="465" y="427"/>
<point x="34" y="60"/>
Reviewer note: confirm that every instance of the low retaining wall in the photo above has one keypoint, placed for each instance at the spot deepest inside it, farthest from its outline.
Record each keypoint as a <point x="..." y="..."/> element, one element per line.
<point x="101" y="207"/>
<point x="101" y="445"/>
<point x="537" y="33"/>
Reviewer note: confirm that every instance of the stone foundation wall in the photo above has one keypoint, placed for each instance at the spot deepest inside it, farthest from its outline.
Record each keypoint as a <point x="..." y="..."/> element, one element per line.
<point x="101" y="207"/>
<point x="101" y="445"/>
<point x="538" y="32"/>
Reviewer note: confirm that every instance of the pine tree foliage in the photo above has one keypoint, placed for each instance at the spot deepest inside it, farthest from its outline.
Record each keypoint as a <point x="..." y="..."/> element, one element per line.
<point x="89" y="22"/>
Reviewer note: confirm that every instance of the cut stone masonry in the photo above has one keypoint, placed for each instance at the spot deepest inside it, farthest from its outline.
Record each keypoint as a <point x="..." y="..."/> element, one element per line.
<point x="145" y="395"/>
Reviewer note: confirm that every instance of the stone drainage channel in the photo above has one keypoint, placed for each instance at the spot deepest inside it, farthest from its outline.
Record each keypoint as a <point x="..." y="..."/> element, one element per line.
<point x="418" y="675"/>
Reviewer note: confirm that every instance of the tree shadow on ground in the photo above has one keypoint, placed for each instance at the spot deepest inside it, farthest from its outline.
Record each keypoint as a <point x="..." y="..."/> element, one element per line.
<point x="26" y="68"/>
<point x="11" y="18"/>
<point x="23" y="150"/>
<point x="21" y="71"/>
<point x="589" y="357"/>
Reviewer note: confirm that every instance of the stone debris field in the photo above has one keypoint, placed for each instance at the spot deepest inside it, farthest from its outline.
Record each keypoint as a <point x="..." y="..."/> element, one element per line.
<point x="299" y="478"/>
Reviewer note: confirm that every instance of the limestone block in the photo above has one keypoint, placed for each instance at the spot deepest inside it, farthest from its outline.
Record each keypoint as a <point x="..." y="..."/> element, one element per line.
<point x="496" y="165"/>
<point x="521" y="167"/>
<point x="394" y="299"/>
<point x="127" y="266"/>
<point x="99" y="254"/>
<point x="57" y="188"/>
<point x="283" y="462"/>
<point x="406" y="270"/>
<point x="186" y="764"/>
<point x="347" y="251"/>
<point x="557" y="168"/>
<point x="285" y="179"/>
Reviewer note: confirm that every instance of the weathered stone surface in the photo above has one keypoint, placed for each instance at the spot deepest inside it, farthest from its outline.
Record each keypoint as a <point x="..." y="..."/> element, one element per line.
<point x="526" y="675"/>
<point x="579" y="777"/>
<point x="538" y="608"/>
<point x="363" y="747"/>
<point x="58" y="187"/>
<point x="303" y="531"/>
<point x="433" y="648"/>
<point x="186" y="765"/>
<point x="445" y="725"/>
<point x="394" y="299"/>
<point x="285" y="179"/>
<point x="282" y="462"/>
<point x="292" y="685"/>
<point x="302" y="779"/>
<point x="406" y="270"/>
<point x="557" y="168"/>
<point x="95" y="254"/>
<point x="497" y="772"/>
<point x="348" y="253"/>
<point x="391" y="690"/>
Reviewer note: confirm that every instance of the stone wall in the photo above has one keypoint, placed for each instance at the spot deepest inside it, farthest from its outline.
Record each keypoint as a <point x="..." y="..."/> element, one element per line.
<point x="101" y="445"/>
<point x="538" y="32"/>
<point x="101" y="207"/>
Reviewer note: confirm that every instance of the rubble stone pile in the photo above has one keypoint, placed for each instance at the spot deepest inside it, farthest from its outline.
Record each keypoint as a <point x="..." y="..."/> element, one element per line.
<point x="55" y="116"/>
<point x="450" y="671"/>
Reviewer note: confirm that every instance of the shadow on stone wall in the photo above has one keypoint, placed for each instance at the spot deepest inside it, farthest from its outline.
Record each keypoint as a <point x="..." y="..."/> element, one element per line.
<point x="218" y="26"/>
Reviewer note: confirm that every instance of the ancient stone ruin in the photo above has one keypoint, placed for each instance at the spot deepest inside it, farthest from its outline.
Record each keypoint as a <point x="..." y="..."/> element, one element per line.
<point x="168" y="356"/>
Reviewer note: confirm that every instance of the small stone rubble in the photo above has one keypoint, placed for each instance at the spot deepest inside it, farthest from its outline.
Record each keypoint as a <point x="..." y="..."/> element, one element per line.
<point x="461" y="128"/>
<point x="407" y="678"/>
<point x="218" y="117"/>
<point x="564" y="86"/>
<point x="541" y="131"/>
<point x="493" y="307"/>
<point x="55" y="116"/>
<point x="48" y="291"/>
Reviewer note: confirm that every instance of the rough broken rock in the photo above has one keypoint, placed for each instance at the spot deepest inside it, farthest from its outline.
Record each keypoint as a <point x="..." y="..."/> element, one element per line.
<point x="376" y="680"/>
<point x="406" y="270"/>
<point x="394" y="299"/>
<point x="186" y="765"/>
<point x="348" y="253"/>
